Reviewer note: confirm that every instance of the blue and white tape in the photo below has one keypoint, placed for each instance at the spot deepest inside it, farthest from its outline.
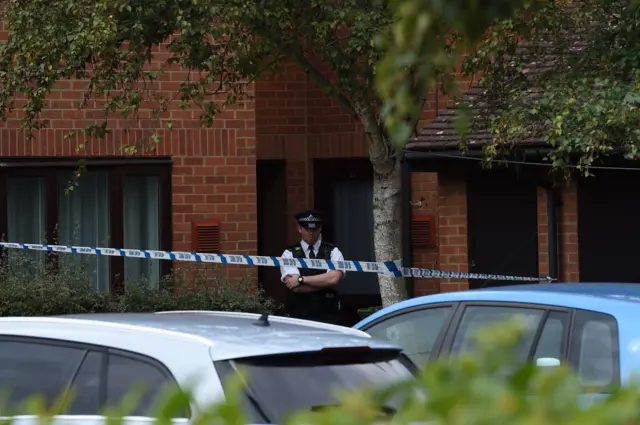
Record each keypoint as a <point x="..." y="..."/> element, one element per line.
<point x="387" y="268"/>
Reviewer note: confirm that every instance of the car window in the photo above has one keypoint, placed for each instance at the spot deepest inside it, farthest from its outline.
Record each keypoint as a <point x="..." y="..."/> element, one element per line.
<point x="551" y="342"/>
<point x="280" y="385"/>
<point x="594" y="349"/>
<point x="34" y="368"/>
<point x="476" y="318"/>
<point x="127" y="374"/>
<point x="86" y="386"/>
<point x="416" y="331"/>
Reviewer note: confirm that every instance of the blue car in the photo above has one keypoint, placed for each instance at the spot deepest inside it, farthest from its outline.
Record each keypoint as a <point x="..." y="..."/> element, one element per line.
<point x="595" y="328"/>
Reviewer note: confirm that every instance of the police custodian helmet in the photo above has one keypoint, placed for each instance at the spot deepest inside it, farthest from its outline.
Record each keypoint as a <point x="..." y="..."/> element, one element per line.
<point x="310" y="219"/>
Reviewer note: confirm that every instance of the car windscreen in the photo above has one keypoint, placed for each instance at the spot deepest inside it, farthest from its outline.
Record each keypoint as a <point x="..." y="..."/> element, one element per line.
<point x="278" y="386"/>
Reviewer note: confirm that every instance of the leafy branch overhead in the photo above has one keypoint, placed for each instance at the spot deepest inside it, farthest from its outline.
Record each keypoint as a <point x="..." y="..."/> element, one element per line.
<point x="565" y="74"/>
<point x="425" y="41"/>
<point x="226" y="44"/>
<point x="229" y="44"/>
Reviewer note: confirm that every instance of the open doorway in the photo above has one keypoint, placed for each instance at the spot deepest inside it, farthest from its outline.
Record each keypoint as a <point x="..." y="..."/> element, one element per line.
<point x="343" y="191"/>
<point x="608" y="233"/>
<point x="271" y="187"/>
<point x="502" y="214"/>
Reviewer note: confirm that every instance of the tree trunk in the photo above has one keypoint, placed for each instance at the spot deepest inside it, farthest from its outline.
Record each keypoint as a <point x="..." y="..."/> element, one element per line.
<point x="387" y="229"/>
<point x="387" y="215"/>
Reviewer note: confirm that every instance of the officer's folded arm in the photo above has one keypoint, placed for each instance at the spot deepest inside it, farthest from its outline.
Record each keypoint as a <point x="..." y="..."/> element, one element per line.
<point x="324" y="280"/>
<point x="331" y="277"/>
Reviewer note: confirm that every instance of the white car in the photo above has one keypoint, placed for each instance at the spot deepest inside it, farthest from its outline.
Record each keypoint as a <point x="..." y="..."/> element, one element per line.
<point x="293" y="364"/>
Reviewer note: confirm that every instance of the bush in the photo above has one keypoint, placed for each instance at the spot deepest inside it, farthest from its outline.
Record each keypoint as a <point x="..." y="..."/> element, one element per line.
<point x="28" y="287"/>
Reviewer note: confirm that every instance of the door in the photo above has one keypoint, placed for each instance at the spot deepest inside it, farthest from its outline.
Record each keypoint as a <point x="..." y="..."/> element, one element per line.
<point x="502" y="214"/>
<point x="343" y="192"/>
<point x="608" y="231"/>
<point x="271" y="177"/>
<point x="97" y="376"/>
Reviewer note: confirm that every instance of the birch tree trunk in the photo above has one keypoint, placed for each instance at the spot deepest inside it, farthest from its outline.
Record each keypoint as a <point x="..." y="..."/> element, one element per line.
<point x="387" y="229"/>
<point x="387" y="211"/>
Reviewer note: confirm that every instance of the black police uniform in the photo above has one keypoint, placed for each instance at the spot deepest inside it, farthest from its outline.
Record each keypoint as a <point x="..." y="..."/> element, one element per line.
<point x="322" y="305"/>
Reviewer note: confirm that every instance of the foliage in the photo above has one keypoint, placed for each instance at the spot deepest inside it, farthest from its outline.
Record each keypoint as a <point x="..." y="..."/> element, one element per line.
<point x="29" y="289"/>
<point x="470" y="390"/>
<point x="426" y="40"/>
<point x="226" y="44"/>
<point x="565" y="74"/>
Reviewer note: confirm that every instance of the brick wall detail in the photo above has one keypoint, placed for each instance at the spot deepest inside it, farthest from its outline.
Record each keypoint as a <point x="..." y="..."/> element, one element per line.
<point x="452" y="238"/>
<point x="568" y="230"/>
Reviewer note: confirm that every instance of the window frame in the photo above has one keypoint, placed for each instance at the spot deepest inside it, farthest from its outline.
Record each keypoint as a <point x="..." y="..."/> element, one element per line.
<point x="456" y="320"/>
<point x="438" y="344"/>
<point x="104" y="352"/>
<point x="117" y="169"/>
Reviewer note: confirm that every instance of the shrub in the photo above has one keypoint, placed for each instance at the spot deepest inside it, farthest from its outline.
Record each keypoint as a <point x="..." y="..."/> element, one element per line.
<point x="28" y="287"/>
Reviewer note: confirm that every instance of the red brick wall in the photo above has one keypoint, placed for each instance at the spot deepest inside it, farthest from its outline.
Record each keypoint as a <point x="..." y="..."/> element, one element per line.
<point x="425" y="185"/>
<point x="445" y="195"/>
<point x="452" y="219"/>
<point x="214" y="169"/>
<point x="568" y="230"/>
<point x="543" y="233"/>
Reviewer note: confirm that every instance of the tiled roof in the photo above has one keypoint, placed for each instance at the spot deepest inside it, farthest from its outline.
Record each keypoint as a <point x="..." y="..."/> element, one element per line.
<point x="441" y="134"/>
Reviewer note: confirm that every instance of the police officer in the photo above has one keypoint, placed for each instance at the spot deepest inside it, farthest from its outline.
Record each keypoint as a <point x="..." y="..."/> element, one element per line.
<point x="312" y="293"/>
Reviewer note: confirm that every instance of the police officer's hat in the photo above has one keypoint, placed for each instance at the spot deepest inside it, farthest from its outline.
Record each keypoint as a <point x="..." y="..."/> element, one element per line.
<point x="310" y="219"/>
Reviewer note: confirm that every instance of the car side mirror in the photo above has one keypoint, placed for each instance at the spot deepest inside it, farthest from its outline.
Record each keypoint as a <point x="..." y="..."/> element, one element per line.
<point x="547" y="362"/>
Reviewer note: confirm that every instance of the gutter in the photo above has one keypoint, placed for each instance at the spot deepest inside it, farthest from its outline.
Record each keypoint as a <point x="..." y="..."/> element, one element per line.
<point x="456" y="153"/>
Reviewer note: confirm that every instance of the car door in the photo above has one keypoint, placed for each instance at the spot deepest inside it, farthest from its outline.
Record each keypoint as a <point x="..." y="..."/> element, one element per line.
<point x="97" y="376"/>
<point x="418" y="330"/>
<point x="544" y="340"/>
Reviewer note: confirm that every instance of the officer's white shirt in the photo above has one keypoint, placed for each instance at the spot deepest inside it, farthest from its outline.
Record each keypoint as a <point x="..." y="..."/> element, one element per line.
<point x="336" y="255"/>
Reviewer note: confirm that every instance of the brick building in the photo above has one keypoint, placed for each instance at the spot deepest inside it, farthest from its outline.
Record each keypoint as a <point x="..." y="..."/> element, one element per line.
<point x="290" y="148"/>
<point x="518" y="218"/>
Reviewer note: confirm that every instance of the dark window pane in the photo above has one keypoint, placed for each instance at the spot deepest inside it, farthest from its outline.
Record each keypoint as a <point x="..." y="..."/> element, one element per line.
<point x="27" y="369"/>
<point x="416" y="332"/>
<point x="126" y="374"/>
<point x="86" y="386"/>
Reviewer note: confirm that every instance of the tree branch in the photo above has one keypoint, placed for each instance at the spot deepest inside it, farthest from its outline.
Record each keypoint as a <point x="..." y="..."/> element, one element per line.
<point x="320" y="79"/>
<point x="421" y="91"/>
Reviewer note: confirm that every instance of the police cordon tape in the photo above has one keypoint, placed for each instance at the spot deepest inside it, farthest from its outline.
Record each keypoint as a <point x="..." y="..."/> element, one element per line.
<point x="387" y="268"/>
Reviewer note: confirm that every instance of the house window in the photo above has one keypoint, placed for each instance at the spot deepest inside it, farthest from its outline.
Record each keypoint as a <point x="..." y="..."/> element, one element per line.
<point x="83" y="220"/>
<point x="26" y="219"/>
<point x="141" y="196"/>
<point x="114" y="205"/>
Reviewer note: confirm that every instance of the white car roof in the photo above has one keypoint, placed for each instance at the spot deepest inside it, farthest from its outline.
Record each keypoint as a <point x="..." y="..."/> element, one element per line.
<point x="228" y="335"/>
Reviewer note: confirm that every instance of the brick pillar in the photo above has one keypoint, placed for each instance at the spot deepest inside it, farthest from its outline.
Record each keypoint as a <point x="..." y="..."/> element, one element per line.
<point x="425" y="186"/>
<point x="568" y="229"/>
<point x="452" y="230"/>
<point x="543" y="233"/>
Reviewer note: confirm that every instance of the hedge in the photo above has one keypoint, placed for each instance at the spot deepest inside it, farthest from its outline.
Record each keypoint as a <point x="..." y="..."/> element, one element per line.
<point x="27" y="288"/>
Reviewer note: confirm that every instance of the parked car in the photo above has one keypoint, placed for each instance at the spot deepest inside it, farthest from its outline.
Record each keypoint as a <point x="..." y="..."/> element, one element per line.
<point x="592" y="327"/>
<point x="102" y="356"/>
